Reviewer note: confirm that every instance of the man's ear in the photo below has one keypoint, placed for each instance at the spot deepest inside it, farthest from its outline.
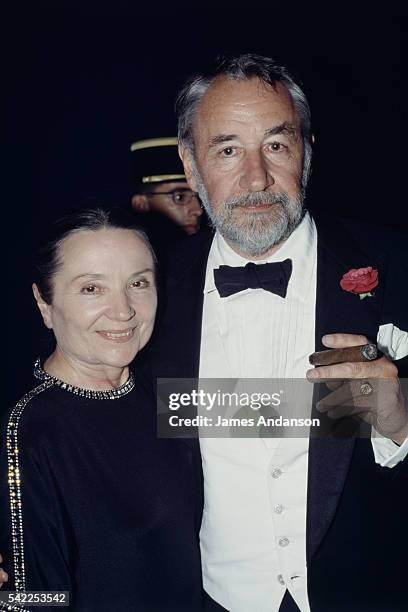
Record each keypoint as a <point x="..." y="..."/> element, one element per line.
<point x="185" y="156"/>
<point x="43" y="307"/>
<point x="140" y="203"/>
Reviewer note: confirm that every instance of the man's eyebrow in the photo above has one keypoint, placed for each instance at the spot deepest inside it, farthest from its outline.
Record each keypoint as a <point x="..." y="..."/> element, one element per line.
<point x="220" y="139"/>
<point x="283" y="128"/>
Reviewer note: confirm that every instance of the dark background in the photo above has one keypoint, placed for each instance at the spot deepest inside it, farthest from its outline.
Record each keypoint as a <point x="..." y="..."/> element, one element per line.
<point x="83" y="81"/>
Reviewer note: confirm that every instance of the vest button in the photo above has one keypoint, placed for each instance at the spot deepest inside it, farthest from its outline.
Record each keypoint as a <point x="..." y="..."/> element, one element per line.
<point x="283" y="542"/>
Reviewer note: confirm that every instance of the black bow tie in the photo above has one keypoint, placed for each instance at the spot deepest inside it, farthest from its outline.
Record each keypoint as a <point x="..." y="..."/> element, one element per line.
<point x="273" y="277"/>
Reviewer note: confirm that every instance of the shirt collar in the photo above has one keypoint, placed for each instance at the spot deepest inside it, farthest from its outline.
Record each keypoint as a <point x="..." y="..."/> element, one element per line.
<point x="300" y="247"/>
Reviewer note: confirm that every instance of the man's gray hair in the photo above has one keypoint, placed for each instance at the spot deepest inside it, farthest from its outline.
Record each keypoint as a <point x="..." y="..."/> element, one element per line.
<point x="239" y="68"/>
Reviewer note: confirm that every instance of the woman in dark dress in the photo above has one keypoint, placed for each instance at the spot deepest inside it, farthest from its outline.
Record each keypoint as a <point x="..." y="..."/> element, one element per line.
<point x="96" y="504"/>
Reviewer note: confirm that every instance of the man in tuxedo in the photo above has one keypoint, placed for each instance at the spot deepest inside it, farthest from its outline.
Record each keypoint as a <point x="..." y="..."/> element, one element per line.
<point x="294" y="523"/>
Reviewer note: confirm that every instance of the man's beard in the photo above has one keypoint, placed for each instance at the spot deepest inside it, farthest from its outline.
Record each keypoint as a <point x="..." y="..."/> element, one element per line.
<point x="254" y="233"/>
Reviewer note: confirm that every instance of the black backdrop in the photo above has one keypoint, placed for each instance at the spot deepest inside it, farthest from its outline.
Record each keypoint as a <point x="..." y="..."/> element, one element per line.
<point x="84" y="81"/>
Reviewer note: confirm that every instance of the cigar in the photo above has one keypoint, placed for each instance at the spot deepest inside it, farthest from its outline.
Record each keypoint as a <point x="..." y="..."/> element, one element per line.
<point x="364" y="352"/>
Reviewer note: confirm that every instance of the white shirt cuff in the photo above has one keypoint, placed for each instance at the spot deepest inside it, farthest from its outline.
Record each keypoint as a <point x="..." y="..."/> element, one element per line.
<point x="386" y="452"/>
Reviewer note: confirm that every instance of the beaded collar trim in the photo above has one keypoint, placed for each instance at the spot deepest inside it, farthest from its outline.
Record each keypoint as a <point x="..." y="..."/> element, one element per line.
<point x="88" y="393"/>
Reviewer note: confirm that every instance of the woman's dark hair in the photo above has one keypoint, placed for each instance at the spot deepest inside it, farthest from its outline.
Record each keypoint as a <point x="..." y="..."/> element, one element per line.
<point x="48" y="260"/>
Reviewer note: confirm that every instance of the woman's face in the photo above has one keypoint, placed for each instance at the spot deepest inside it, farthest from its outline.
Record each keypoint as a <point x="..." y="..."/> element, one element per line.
<point x="104" y="298"/>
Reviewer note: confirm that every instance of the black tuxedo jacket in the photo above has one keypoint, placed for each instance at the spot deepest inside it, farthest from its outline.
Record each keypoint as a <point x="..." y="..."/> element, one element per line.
<point x="357" y="511"/>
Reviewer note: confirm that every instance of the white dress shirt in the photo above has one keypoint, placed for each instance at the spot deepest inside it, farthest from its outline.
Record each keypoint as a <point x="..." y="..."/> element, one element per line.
<point x="253" y="535"/>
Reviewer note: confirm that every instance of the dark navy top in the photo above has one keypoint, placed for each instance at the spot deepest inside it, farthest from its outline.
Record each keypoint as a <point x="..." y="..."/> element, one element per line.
<point x="108" y="511"/>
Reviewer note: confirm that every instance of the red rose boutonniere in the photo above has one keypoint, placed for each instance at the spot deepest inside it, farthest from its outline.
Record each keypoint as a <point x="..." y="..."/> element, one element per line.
<point x="360" y="281"/>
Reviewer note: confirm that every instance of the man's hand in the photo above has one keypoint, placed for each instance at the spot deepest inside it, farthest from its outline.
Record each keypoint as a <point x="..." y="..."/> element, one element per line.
<point x="3" y="574"/>
<point x="383" y="406"/>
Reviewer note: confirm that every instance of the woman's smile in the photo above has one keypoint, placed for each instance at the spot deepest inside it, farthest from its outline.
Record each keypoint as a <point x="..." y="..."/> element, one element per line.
<point x="118" y="335"/>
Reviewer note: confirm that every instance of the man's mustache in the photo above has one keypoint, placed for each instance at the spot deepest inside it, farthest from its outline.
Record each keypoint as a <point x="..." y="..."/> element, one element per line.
<point x="257" y="198"/>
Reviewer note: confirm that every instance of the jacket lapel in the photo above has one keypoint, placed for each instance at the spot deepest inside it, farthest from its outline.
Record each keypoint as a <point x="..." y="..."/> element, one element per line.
<point x="337" y="311"/>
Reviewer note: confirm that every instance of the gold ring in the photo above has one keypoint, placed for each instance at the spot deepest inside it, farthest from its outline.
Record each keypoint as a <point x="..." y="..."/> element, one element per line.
<point x="366" y="388"/>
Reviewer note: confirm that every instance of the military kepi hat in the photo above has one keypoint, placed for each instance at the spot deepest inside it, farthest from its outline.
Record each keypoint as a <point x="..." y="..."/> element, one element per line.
<point x="156" y="160"/>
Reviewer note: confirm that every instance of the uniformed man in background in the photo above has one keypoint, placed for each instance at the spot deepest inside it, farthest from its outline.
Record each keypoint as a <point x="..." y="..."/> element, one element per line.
<point x="168" y="209"/>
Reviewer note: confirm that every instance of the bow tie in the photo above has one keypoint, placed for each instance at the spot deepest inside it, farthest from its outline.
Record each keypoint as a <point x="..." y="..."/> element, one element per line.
<point x="273" y="277"/>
